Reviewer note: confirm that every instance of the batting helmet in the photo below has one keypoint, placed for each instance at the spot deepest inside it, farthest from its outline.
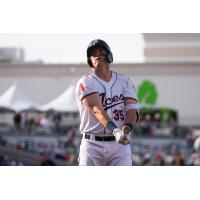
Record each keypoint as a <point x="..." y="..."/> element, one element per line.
<point x="99" y="43"/>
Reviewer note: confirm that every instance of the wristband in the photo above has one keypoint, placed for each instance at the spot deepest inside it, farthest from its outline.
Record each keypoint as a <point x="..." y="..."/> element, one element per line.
<point x="131" y="106"/>
<point x="111" y="126"/>
<point x="129" y="125"/>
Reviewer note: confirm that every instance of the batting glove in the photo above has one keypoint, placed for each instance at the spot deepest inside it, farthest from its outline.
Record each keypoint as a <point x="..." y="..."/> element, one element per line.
<point x="120" y="136"/>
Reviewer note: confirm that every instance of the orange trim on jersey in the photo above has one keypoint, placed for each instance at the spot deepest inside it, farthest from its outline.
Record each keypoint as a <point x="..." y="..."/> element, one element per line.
<point x="81" y="88"/>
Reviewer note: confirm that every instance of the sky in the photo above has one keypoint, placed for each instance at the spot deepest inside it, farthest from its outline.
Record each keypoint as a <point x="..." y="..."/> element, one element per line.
<point x="71" y="47"/>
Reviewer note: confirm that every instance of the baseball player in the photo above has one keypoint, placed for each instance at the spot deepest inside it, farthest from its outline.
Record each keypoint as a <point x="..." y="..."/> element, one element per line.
<point x="108" y="110"/>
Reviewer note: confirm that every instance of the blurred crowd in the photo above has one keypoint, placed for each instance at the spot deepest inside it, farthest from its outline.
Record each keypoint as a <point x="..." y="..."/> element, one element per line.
<point x="39" y="150"/>
<point x="171" y="154"/>
<point x="29" y="123"/>
<point x="48" y="142"/>
<point x="5" y="160"/>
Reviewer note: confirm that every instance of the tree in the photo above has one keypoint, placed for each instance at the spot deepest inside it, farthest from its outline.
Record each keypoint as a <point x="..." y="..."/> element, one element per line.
<point x="147" y="93"/>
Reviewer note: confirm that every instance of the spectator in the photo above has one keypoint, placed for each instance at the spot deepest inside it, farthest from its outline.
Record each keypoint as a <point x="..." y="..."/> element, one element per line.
<point x="57" y="118"/>
<point x="70" y="139"/>
<point x="44" y="161"/>
<point x="190" y="140"/>
<point x="16" y="162"/>
<point x="17" y="120"/>
<point x="157" y="118"/>
<point x="2" y="141"/>
<point x="44" y="122"/>
<point x="194" y="159"/>
<point x="147" y="159"/>
<point x="178" y="160"/>
<point x="145" y="125"/>
<point x="4" y="160"/>
<point x="158" y="160"/>
<point x="31" y="123"/>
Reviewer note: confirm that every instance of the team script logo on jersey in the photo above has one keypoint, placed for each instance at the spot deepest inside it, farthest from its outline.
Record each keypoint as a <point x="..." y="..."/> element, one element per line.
<point x="111" y="102"/>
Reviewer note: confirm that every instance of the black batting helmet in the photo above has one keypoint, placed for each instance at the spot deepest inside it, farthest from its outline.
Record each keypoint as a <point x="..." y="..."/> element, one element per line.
<point x="100" y="43"/>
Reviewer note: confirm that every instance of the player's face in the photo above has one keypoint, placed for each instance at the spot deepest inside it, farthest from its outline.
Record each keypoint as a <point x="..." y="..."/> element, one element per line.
<point x="98" y="57"/>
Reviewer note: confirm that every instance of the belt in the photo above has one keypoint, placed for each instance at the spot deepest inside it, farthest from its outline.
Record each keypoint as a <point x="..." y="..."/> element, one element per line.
<point x="99" y="138"/>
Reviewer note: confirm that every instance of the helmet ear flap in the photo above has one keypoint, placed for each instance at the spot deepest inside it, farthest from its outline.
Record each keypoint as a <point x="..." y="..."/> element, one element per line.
<point x="109" y="57"/>
<point x="89" y="62"/>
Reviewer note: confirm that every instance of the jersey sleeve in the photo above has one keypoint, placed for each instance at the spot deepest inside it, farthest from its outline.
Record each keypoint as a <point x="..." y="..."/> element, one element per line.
<point x="129" y="90"/>
<point x="85" y="87"/>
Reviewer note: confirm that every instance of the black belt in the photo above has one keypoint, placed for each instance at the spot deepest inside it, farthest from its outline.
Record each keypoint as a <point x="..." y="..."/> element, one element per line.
<point x="100" y="138"/>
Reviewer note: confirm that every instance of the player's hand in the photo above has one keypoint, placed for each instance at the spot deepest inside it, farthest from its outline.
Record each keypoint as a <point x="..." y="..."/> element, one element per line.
<point x="126" y="129"/>
<point x="120" y="136"/>
<point x="127" y="132"/>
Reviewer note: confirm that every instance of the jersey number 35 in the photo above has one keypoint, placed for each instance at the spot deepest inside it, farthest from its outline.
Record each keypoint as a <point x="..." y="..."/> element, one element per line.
<point x="118" y="115"/>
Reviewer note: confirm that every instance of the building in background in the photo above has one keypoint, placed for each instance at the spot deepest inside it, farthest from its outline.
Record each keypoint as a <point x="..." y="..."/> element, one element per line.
<point x="11" y="55"/>
<point x="172" y="65"/>
<point x="172" y="47"/>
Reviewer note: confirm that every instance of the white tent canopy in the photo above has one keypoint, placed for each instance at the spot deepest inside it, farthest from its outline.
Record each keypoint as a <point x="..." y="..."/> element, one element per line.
<point x="66" y="102"/>
<point x="16" y="100"/>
